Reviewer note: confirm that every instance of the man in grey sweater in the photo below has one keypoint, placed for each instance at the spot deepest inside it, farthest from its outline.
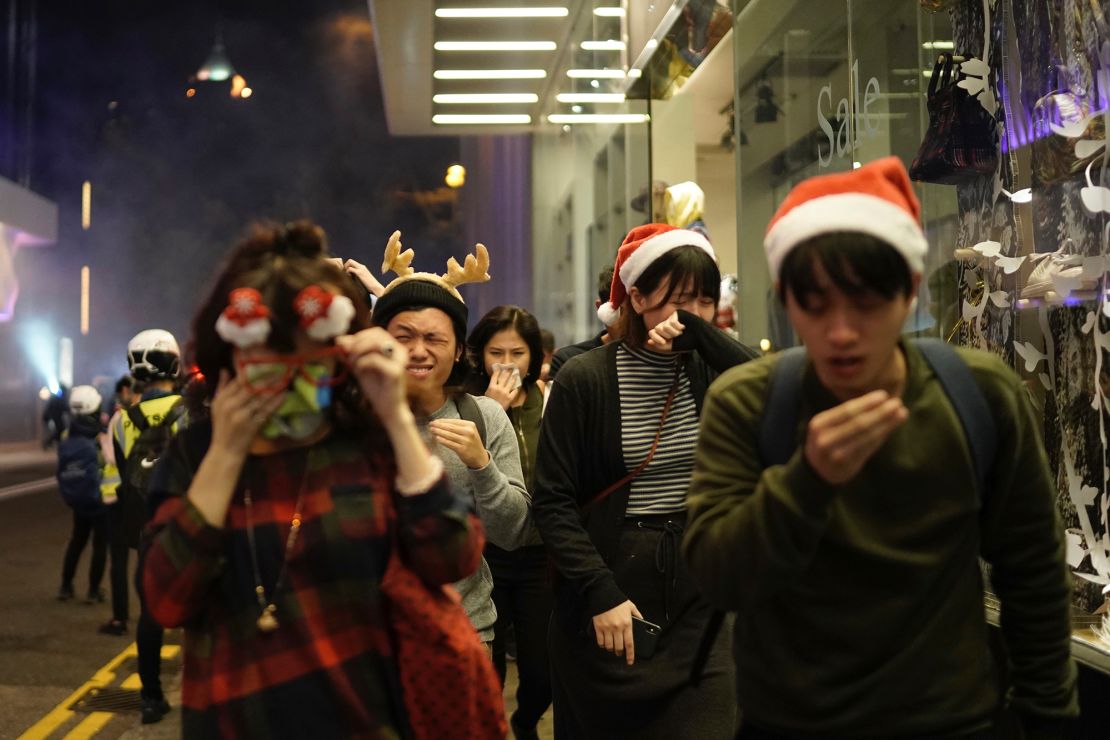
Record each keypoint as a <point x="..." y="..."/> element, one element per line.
<point x="427" y="315"/>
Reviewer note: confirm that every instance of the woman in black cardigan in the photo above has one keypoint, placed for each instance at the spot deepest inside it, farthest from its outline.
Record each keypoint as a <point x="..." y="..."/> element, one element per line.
<point x="616" y="547"/>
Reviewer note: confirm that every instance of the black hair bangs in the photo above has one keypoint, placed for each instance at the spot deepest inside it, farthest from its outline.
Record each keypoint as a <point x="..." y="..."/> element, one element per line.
<point x="686" y="266"/>
<point x="856" y="264"/>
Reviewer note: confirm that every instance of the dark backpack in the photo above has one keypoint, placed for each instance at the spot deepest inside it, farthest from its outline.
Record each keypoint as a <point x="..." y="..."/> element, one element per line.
<point x="152" y="441"/>
<point x="79" y="474"/>
<point x="778" y="430"/>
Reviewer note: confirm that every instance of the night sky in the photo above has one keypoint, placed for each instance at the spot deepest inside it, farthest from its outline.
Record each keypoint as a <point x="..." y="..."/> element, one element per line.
<point x="176" y="179"/>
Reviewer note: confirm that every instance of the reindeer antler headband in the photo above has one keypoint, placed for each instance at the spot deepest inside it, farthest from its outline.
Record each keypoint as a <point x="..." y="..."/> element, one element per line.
<point x="473" y="270"/>
<point x="414" y="289"/>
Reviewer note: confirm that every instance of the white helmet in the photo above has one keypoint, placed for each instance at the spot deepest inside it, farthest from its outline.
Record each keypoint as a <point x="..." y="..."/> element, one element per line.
<point x="84" y="400"/>
<point x="153" y="355"/>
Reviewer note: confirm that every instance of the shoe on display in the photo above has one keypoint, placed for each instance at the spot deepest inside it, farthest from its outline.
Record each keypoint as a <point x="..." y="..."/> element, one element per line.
<point x="114" y="627"/>
<point x="154" y="710"/>
<point x="65" y="593"/>
<point x="95" y="596"/>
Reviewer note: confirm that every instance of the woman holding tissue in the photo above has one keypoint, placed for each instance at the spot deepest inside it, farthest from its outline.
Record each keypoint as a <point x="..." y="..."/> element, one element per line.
<point x="506" y="355"/>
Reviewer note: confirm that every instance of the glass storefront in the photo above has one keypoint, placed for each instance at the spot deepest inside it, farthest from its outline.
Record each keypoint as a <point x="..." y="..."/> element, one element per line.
<point x="749" y="98"/>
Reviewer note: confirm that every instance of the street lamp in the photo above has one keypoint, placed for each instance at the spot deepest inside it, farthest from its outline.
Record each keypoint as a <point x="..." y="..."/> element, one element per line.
<point x="218" y="68"/>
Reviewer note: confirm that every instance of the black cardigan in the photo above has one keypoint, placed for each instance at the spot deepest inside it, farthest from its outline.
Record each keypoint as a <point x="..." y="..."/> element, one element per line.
<point x="580" y="454"/>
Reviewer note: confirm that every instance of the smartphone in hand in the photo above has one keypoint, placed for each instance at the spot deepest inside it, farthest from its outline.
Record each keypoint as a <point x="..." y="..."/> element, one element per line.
<point x="645" y="637"/>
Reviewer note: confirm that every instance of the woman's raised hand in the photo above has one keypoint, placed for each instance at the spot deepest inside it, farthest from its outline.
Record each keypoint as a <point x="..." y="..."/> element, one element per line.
<point x="503" y="387"/>
<point x="662" y="335"/>
<point x="238" y="415"/>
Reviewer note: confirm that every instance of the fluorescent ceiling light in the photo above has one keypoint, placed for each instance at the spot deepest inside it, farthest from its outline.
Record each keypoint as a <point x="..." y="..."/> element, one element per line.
<point x="597" y="74"/>
<point x="608" y="12"/>
<point x="610" y="45"/>
<point x="463" y="98"/>
<point x="490" y="74"/>
<point x="635" y="73"/>
<point x="467" y="120"/>
<point x="550" y="12"/>
<point x="598" y="118"/>
<point x="590" y="97"/>
<point x="941" y="45"/>
<point x="495" y="46"/>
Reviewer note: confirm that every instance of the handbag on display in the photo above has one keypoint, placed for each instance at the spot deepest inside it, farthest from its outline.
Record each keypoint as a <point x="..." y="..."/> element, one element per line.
<point x="961" y="142"/>
<point x="1056" y="157"/>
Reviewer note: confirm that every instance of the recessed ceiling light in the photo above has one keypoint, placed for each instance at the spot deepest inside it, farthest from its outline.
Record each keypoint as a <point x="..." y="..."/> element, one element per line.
<point x="495" y="46"/>
<point x="590" y="97"/>
<point x="595" y="84"/>
<point x="598" y="118"/>
<point x="490" y="74"/>
<point x="549" y="12"/>
<point x="597" y="74"/>
<point x="609" y="45"/>
<point x="464" y="98"/>
<point x="609" y="12"/>
<point x="576" y="108"/>
<point x="466" y="120"/>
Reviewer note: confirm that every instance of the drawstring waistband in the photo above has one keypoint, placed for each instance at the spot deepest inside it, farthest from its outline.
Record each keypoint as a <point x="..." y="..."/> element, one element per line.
<point x="666" y="554"/>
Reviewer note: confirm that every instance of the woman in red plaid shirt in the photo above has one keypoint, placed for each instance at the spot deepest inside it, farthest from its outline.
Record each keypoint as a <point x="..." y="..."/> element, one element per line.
<point x="280" y="505"/>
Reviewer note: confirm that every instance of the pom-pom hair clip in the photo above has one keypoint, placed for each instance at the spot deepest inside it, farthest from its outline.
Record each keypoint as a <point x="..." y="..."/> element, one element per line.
<point x="323" y="315"/>
<point x="246" y="320"/>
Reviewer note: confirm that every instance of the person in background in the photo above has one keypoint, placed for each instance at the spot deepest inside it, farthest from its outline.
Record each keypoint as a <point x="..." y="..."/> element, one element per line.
<point x="615" y="456"/>
<point x="604" y="281"/>
<point x="425" y="313"/>
<point x="548" y="342"/>
<point x="125" y="395"/>
<point x="300" y="476"/>
<point x="506" y="356"/>
<point x="139" y="435"/>
<point x="852" y="555"/>
<point x="55" y="417"/>
<point x="79" y="471"/>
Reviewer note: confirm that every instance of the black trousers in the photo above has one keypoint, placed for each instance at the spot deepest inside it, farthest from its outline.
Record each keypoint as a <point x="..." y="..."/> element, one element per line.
<point x="148" y="643"/>
<point x="117" y="573"/>
<point x="522" y="595"/>
<point x="83" y="526"/>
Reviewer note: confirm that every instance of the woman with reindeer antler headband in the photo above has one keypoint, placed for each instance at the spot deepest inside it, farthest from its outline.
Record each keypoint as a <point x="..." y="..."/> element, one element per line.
<point x="304" y="526"/>
<point x="476" y="441"/>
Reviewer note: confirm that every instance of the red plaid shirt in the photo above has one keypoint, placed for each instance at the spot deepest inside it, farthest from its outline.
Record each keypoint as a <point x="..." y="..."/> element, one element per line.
<point x="328" y="670"/>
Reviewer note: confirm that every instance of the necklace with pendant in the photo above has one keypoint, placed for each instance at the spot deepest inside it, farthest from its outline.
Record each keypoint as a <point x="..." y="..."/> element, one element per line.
<point x="266" y="621"/>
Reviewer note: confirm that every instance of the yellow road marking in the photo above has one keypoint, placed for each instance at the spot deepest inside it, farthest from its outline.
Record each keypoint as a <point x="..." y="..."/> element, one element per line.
<point x="62" y="713"/>
<point x="89" y="726"/>
<point x="169" y="652"/>
<point x="132" y="682"/>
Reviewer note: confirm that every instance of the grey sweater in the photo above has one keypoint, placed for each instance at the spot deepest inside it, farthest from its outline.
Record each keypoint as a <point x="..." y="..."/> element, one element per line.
<point x="499" y="495"/>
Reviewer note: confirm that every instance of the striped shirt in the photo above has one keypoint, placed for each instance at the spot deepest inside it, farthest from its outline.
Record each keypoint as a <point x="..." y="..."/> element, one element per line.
<point x="644" y="379"/>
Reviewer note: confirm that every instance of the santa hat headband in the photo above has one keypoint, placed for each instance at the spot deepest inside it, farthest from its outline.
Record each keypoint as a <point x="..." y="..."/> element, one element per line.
<point x="246" y="320"/>
<point x="640" y="249"/>
<point x="876" y="199"/>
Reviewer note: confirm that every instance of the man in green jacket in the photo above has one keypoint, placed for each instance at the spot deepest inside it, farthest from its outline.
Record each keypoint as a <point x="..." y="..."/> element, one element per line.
<point x="854" y="567"/>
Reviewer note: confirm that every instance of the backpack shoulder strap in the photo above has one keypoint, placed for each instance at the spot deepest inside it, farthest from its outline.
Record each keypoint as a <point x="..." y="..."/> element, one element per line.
<point x="470" y="411"/>
<point x="174" y="414"/>
<point x="971" y="407"/>
<point x="778" y="427"/>
<point x="138" y="418"/>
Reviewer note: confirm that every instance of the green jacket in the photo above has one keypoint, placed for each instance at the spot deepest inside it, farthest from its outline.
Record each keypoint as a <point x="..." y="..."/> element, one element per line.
<point x="860" y="606"/>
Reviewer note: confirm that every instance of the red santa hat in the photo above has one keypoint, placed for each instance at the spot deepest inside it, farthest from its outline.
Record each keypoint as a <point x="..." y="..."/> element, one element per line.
<point x="876" y="199"/>
<point x="643" y="245"/>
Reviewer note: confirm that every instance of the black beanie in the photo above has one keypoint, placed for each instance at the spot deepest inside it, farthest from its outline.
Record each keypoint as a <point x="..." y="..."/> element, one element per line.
<point x="416" y="294"/>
